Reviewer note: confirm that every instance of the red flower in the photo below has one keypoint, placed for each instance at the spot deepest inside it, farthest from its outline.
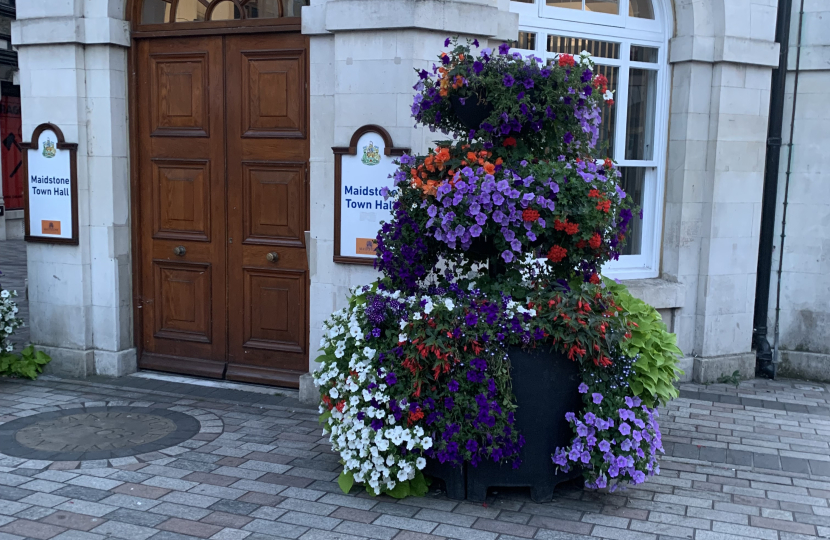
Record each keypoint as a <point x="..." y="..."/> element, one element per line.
<point x="595" y="242"/>
<point x="566" y="60"/>
<point x="571" y="228"/>
<point x="608" y="163"/>
<point x="594" y="194"/>
<point x="557" y="253"/>
<point x="605" y="206"/>
<point x="510" y="141"/>
<point x="594" y="279"/>
<point x="530" y="215"/>
<point x="415" y="416"/>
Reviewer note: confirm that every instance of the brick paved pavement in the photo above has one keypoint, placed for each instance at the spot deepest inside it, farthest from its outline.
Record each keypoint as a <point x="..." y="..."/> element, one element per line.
<point x="260" y="469"/>
<point x="13" y="278"/>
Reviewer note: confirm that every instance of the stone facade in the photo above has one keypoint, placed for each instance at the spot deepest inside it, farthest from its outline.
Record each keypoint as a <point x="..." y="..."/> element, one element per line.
<point x="73" y="73"/>
<point x="805" y="280"/>
<point x="362" y="56"/>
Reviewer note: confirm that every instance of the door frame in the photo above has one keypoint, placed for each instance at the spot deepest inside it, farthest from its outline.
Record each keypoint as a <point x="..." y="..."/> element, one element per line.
<point x="186" y="29"/>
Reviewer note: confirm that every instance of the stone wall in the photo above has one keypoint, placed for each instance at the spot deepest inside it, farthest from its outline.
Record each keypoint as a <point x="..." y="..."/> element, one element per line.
<point x="805" y="281"/>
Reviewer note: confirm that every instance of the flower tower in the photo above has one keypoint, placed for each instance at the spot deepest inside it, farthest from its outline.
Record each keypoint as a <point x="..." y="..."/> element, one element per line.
<point x="491" y="344"/>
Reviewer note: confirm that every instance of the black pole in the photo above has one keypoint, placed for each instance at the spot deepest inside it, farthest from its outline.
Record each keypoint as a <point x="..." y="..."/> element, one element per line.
<point x="763" y="351"/>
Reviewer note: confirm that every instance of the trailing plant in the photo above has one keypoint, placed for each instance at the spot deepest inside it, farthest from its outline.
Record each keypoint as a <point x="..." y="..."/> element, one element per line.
<point x="29" y="363"/>
<point x="617" y="436"/>
<point x="9" y="321"/>
<point x="654" y="347"/>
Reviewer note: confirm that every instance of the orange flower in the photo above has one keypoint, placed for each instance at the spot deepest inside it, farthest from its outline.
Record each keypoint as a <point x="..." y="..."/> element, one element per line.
<point x="499" y="161"/>
<point x="489" y="168"/>
<point x="471" y="156"/>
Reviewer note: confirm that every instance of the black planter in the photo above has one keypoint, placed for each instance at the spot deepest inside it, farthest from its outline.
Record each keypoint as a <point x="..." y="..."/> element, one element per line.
<point x="454" y="478"/>
<point x="545" y="385"/>
<point x="472" y="112"/>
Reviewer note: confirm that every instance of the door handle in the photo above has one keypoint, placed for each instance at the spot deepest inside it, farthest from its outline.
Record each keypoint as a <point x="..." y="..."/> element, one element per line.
<point x="272" y="257"/>
<point x="179" y="251"/>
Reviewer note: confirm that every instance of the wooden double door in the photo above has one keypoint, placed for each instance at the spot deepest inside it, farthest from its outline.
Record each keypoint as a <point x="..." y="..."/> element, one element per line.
<point x="222" y="175"/>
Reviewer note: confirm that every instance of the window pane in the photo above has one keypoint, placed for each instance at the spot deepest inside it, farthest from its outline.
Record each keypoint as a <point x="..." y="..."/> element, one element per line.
<point x="570" y="4"/>
<point x="639" y="129"/>
<point x="608" y="113"/>
<point x="643" y="54"/>
<point x="524" y="1"/>
<point x="569" y="45"/>
<point x="190" y="10"/>
<point x="155" y="12"/>
<point x="603" y="6"/>
<point x="641" y="9"/>
<point x="291" y="8"/>
<point x="225" y="11"/>
<point x="633" y="182"/>
<point x="527" y="40"/>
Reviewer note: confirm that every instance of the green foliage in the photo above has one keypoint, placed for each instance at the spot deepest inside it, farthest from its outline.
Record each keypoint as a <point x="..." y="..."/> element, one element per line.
<point x="655" y="348"/>
<point x="734" y="379"/>
<point x="28" y="364"/>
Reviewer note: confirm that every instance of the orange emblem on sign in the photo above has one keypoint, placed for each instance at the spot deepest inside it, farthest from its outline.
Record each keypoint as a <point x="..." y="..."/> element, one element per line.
<point x="366" y="246"/>
<point x="50" y="227"/>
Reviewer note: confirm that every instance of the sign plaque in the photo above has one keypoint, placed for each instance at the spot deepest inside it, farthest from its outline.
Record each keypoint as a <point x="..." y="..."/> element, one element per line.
<point x="50" y="192"/>
<point x="361" y="171"/>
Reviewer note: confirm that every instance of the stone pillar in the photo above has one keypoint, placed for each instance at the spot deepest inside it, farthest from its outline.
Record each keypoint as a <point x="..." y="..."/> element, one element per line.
<point x="73" y="73"/>
<point x="363" y="57"/>
<point x="722" y="60"/>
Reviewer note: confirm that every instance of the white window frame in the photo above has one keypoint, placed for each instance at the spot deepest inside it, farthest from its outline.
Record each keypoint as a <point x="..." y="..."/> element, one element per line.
<point x="546" y="20"/>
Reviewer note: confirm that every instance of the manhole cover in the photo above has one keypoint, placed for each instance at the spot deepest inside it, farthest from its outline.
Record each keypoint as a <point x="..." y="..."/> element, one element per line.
<point x="95" y="433"/>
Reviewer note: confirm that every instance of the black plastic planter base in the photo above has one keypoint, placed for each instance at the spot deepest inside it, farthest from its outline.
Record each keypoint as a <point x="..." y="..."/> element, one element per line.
<point x="454" y="478"/>
<point x="545" y="385"/>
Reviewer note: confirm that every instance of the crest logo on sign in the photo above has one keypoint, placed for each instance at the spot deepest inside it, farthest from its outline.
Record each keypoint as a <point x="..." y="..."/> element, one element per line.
<point x="49" y="149"/>
<point x="371" y="154"/>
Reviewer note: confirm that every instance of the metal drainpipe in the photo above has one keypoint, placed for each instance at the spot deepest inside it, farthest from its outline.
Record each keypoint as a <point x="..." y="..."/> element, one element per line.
<point x="763" y="351"/>
<point x="775" y="356"/>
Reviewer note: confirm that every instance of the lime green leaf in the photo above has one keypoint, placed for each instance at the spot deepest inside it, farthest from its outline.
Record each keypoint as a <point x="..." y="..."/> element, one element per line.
<point x="400" y="490"/>
<point x="345" y="481"/>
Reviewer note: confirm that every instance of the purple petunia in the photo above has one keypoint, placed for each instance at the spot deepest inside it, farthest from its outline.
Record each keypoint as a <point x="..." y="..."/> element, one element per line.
<point x="453" y="386"/>
<point x="597" y="398"/>
<point x="477" y="67"/>
<point x="583" y="388"/>
<point x="504" y="48"/>
<point x="391" y="379"/>
<point x="624" y="428"/>
<point x="508" y="80"/>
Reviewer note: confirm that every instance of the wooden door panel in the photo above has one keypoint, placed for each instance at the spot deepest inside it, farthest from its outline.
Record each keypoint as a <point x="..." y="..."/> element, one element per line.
<point x="181" y="167"/>
<point x="273" y="202"/>
<point x="273" y="93"/>
<point x="274" y="310"/>
<point x="179" y="102"/>
<point x="181" y="203"/>
<point x="183" y="301"/>
<point x="267" y="207"/>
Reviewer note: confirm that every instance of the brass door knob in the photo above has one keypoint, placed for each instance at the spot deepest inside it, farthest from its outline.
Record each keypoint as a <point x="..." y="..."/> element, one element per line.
<point x="272" y="257"/>
<point x="179" y="251"/>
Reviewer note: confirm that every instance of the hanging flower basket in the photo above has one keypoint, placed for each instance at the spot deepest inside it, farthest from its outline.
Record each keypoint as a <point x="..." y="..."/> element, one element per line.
<point x="491" y="352"/>
<point x="471" y="111"/>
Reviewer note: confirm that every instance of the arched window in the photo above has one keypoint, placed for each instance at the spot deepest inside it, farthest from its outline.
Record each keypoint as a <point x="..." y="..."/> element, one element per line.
<point x="176" y="11"/>
<point x="628" y="40"/>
